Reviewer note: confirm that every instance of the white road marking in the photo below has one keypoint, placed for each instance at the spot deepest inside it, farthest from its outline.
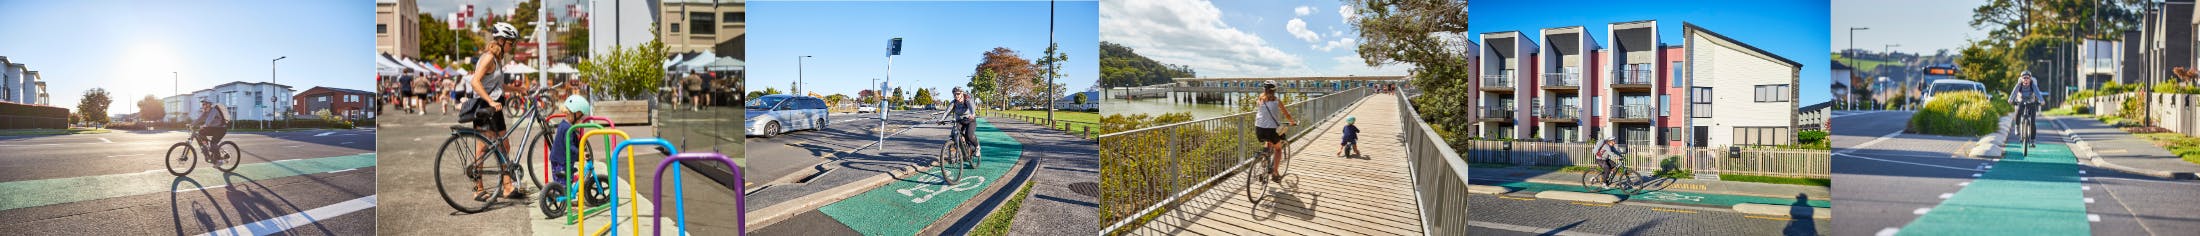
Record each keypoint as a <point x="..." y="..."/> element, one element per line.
<point x="201" y="188"/>
<point x="324" y="134"/>
<point x="1964" y="183"/>
<point x="343" y="170"/>
<point x="279" y="224"/>
<point x="2083" y="179"/>
<point x="1946" y="195"/>
<point x="1904" y="162"/>
<point x="1921" y="211"/>
<point x="1889" y="231"/>
<point x="2088" y="200"/>
<point x="2085" y="188"/>
<point x="2081" y="172"/>
<point x="1975" y="175"/>
<point x="105" y="140"/>
<point x="2093" y="217"/>
<point x="1869" y="143"/>
<point x="125" y="155"/>
<point x="1527" y="229"/>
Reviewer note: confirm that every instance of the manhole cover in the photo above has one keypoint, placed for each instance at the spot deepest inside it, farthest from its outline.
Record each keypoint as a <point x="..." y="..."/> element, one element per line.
<point x="1089" y="189"/>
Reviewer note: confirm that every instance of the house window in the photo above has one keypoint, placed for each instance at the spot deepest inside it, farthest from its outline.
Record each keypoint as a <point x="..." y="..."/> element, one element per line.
<point x="381" y="28"/>
<point x="320" y="98"/>
<point x="675" y="27"/>
<point x="1673" y="134"/>
<point x="702" y="23"/>
<point x="1676" y="74"/>
<point x="1772" y="93"/>
<point x="737" y="17"/>
<point x="1699" y="102"/>
<point x="1664" y="105"/>
<point x="1761" y="135"/>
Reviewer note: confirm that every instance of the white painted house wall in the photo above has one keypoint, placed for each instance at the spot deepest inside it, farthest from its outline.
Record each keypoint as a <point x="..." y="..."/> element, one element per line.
<point x="1733" y="73"/>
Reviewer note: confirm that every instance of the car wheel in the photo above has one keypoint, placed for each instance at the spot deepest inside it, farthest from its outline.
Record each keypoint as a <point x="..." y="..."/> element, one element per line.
<point x="820" y="125"/>
<point x="771" y="129"/>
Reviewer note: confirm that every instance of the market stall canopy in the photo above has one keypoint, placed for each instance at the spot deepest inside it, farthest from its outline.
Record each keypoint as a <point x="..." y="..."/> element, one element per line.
<point x="563" y="68"/>
<point x="516" y="68"/>
<point x="727" y="64"/>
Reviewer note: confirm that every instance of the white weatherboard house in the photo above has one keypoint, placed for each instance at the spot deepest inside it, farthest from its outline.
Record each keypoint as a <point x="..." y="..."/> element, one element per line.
<point x="246" y="100"/>
<point x="1738" y="94"/>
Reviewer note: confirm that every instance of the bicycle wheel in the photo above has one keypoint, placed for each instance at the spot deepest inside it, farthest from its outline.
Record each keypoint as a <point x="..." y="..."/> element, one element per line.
<point x="1595" y="182"/>
<point x="1626" y="180"/>
<point x="538" y="146"/>
<point x="180" y="158"/>
<point x="552" y="201"/>
<point x="459" y="172"/>
<point x="599" y="190"/>
<point x="946" y="159"/>
<point x="1256" y="176"/>
<point x="231" y="156"/>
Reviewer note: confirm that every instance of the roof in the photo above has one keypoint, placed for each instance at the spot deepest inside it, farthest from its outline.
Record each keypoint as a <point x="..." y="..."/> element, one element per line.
<point x="1686" y="26"/>
<point x="1837" y="65"/>
<point x="1816" y="106"/>
<point x="340" y="90"/>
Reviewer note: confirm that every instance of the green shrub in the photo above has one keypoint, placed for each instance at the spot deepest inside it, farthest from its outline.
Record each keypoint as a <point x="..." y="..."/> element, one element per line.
<point x="1959" y="114"/>
<point x="2131" y="108"/>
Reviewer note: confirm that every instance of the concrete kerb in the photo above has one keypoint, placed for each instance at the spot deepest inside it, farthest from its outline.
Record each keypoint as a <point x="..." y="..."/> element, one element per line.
<point x="1781" y="210"/>
<point x="2084" y="149"/>
<point x="1578" y="196"/>
<point x="1990" y="146"/>
<point x="1488" y="189"/>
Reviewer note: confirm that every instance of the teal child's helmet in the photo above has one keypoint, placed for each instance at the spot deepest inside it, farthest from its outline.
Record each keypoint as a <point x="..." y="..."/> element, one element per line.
<point x="577" y="104"/>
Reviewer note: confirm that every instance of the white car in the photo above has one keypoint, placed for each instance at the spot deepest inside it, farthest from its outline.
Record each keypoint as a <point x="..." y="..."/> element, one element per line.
<point x="866" y="109"/>
<point x="1951" y="85"/>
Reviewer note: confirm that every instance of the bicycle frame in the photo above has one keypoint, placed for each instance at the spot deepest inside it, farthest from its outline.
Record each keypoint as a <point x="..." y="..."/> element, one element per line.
<point x="680" y="204"/>
<point x="546" y="170"/>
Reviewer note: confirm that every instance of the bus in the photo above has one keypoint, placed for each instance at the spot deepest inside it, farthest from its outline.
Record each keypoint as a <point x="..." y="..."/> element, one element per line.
<point x="1925" y="81"/>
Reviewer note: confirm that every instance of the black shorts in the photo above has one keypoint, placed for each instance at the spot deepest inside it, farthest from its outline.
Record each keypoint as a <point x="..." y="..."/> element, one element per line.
<point x="485" y="118"/>
<point x="213" y="134"/>
<point x="1268" y="134"/>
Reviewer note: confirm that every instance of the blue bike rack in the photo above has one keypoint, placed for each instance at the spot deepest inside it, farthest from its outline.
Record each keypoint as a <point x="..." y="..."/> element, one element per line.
<point x="680" y="204"/>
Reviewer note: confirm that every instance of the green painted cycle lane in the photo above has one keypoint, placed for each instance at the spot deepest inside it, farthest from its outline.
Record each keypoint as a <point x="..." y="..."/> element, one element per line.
<point x="34" y="193"/>
<point x="2035" y="194"/>
<point x="1689" y="198"/>
<point x="906" y="207"/>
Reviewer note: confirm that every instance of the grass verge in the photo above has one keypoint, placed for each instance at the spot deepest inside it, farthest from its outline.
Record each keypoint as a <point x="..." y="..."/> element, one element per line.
<point x="997" y="223"/>
<point x="2186" y="147"/>
<point x="1074" y="121"/>
<point x="1777" y="180"/>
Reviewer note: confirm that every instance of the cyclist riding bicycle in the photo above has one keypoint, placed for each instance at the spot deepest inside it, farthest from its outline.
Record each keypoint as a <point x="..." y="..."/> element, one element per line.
<point x="487" y="113"/>
<point x="1266" y="123"/>
<point x="1607" y="152"/>
<point x="2026" y="95"/>
<point x="213" y="124"/>
<point x="965" y="113"/>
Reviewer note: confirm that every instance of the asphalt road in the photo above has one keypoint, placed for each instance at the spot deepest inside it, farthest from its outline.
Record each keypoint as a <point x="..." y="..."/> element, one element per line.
<point x="1888" y="181"/>
<point x="303" y="182"/>
<point x="777" y="159"/>
<point x="1526" y="215"/>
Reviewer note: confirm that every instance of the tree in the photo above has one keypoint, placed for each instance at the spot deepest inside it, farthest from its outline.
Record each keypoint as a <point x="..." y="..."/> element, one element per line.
<point x="523" y="14"/>
<point x="1013" y="76"/>
<point x="982" y="85"/>
<point x="898" y="100"/>
<point x="94" y="105"/>
<point x="835" y="99"/>
<point x="1432" y="36"/>
<point x="443" y="44"/>
<point x="1050" y="62"/>
<point x="626" y="72"/>
<point x="575" y="40"/>
<point x="1080" y="98"/>
<point x="1121" y="66"/>
<point x="151" y="109"/>
<point x="924" y="97"/>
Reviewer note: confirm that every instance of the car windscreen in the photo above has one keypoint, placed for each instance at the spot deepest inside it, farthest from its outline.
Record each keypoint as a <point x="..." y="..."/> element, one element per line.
<point x="762" y="103"/>
<point x="1952" y="87"/>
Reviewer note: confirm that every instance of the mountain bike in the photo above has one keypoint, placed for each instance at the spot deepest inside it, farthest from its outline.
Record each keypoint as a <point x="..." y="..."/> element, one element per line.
<point x="530" y="106"/>
<point x="1618" y="177"/>
<point x="182" y="153"/>
<point x="957" y="151"/>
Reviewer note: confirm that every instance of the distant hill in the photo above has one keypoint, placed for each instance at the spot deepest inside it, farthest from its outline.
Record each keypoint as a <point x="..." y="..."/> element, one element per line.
<point x="1120" y="66"/>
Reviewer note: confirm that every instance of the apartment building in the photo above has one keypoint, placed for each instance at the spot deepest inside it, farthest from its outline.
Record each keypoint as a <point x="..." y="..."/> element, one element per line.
<point x="397" y="27"/>
<point x="348" y="103"/>
<point x="1631" y="86"/>
<point x="246" y="100"/>
<point x="704" y="26"/>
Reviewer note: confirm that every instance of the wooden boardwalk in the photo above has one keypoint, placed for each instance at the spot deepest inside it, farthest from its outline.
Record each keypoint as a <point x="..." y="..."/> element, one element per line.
<point x="1326" y="194"/>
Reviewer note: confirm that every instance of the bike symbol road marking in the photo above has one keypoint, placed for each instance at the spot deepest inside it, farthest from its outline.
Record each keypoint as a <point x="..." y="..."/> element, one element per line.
<point x="967" y="183"/>
<point x="1665" y="196"/>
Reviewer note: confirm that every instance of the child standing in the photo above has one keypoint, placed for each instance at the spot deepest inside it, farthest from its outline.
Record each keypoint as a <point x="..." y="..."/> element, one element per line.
<point x="1351" y="145"/>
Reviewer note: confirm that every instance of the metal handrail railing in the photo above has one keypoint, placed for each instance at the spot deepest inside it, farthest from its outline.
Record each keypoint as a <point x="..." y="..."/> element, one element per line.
<point x="1634" y="77"/>
<point x="1497" y="80"/>
<point x="1562" y="79"/>
<point x="1631" y="111"/>
<point x="1562" y="112"/>
<point x="1497" y="112"/>
<point x="1439" y="175"/>
<point x="1219" y="144"/>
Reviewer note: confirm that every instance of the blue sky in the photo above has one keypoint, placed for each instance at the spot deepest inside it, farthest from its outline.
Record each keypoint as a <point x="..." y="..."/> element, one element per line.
<point x="1792" y="29"/>
<point x="942" y="42"/>
<point x="1241" y="38"/>
<point x="1924" y="26"/>
<point x="131" y="47"/>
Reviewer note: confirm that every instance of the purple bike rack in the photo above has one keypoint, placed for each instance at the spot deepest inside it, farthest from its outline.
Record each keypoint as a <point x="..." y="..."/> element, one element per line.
<point x="658" y="192"/>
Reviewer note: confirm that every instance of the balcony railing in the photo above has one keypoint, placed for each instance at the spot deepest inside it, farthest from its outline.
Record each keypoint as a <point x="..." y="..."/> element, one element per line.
<point x="1562" y="79"/>
<point x="1497" y="112"/>
<point x="1636" y="111"/>
<point x="1562" y="112"/>
<point x="1637" y="77"/>
<point x="1497" y="80"/>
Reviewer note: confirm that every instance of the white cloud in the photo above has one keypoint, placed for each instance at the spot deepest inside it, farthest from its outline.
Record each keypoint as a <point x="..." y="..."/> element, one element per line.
<point x="1347" y="43"/>
<point x="1345" y="12"/>
<point x="1298" y="29"/>
<point x="1302" y="11"/>
<point x="1192" y="33"/>
<point x="1352" y="64"/>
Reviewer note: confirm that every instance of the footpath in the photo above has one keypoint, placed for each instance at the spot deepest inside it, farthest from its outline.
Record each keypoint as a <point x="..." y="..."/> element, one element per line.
<point x="1745" y="197"/>
<point x="2103" y="145"/>
<point x="1064" y="178"/>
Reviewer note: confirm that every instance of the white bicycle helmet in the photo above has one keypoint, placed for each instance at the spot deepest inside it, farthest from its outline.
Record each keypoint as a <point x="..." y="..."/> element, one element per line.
<point x="505" y="31"/>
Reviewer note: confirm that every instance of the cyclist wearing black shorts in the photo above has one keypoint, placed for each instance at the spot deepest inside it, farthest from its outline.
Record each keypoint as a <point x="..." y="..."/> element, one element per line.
<point x="213" y="124"/>
<point x="1606" y="151"/>
<point x="1266" y="125"/>
<point x="965" y="112"/>
<point x="487" y="114"/>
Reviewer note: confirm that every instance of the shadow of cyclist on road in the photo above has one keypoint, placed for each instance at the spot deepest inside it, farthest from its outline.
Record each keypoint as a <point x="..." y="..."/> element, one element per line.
<point x="1800" y="221"/>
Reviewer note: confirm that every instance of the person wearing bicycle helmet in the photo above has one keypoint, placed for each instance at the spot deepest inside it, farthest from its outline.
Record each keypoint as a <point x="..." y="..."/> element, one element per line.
<point x="2026" y="96"/>
<point x="213" y="125"/>
<point x="1606" y="153"/>
<point x="964" y="110"/>
<point x="1268" y="117"/>
<point x="489" y="85"/>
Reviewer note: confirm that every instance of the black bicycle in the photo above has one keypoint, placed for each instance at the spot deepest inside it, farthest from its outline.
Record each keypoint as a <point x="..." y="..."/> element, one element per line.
<point x="957" y="151"/>
<point x="468" y="143"/>
<point x="182" y="154"/>
<point x="1257" y="173"/>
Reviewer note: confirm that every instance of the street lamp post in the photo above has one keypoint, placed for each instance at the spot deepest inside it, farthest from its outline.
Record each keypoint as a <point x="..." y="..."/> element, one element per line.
<point x="1852" y="45"/>
<point x="271" y="80"/>
<point x="798" y="74"/>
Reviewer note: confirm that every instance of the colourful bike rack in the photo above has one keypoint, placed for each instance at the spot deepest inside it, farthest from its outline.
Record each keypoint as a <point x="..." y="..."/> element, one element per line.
<point x="680" y="204"/>
<point x="580" y="206"/>
<point x="576" y="129"/>
<point x="624" y="148"/>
